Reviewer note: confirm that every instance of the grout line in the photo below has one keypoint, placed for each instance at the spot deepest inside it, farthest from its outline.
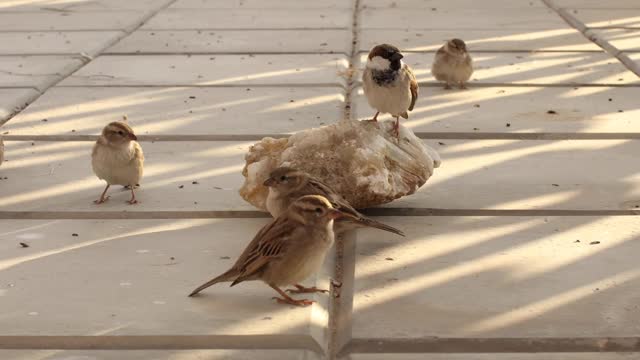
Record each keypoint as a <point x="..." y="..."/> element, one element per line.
<point x="160" y="342"/>
<point x="420" y="134"/>
<point x="84" y="60"/>
<point x="494" y="345"/>
<point x="591" y="36"/>
<point x="190" y="53"/>
<point x="221" y="86"/>
<point x="255" y="214"/>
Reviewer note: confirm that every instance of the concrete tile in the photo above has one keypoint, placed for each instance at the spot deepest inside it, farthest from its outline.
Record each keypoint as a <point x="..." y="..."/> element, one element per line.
<point x="235" y="41"/>
<point x="608" y="17"/>
<point x="525" y="109"/>
<point x="447" y="4"/>
<point x="60" y="177"/>
<point x="505" y="356"/>
<point x="476" y="19"/>
<point x="597" y="4"/>
<point x="621" y="39"/>
<point x="78" y="5"/>
<point x="499" y="277"/>
<point x="60" y="21"/>
<point x="205" y="19"/>
<point x="180" y="111"/>
<point x="141" y="285"/>
<point x="35" y="71"/>
<point x="157" y="354"/>
<point x="481" y="40"/>
<point x="64" y="42"/>
<point x="203" y="70"/>
<point x="11" y="100"/>
<point x="260" y="4"/>
<point x="571" y="68"/>
<point x="516" y="174"/>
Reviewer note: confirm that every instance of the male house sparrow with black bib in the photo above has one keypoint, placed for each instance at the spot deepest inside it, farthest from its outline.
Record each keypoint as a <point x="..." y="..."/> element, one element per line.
<point x="117" y="158"/>
<point x="287" y="184"/>
<point x="452" y="64"/>
<point x="287" y="250"/>
<point x="389" y="84"/>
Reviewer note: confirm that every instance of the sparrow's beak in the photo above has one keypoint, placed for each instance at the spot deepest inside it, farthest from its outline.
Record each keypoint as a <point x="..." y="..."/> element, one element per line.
<point x="132" y="136"/>
<point x="268" y="182"/>
<point x="396" y="56"/>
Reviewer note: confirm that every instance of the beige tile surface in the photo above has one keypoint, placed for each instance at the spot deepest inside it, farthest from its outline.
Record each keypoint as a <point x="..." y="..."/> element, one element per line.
<point x="13" y="99"/>
<point x="597" y="4"/>
<point x="78" y="5"/>
<point x="260" y="4"/>
<point x="622" y="39"/>
<point x="60" y="21"/>
<point x="607" y="17"/>
<point x="62" y="42"/>
<point x="446" y="4"/>
<point x="507" y="356"/>
<point x="159" y="354"/>
<point x="35" y="71"/>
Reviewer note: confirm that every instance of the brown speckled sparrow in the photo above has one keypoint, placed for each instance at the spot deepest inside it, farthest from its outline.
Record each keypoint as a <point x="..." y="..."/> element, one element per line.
<point x="287" y="250"/>
<point x="389" y="84"/>
<point x="452" y="64"/>
<point x="117" y="158"/>
<point x="287" y="184"/>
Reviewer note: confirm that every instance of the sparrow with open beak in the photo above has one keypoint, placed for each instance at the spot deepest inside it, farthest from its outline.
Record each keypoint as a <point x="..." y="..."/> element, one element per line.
<point x="389" y="84"/>
<point x="287" y="250"/>
<point x="452" y="64"/>
<point x="287" y="184"/>
<point x="117" y="158"/>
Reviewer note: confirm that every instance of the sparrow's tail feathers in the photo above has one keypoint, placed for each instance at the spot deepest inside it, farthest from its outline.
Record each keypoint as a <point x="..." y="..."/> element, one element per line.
<point x="230" y="275"/>
<point x="378" y="225"/>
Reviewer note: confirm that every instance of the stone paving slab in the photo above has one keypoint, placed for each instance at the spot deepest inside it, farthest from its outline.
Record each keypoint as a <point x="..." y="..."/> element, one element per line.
<point x="13" y="99"/>
<point x="235" y="41"/>
<point x="505" y="356"/>
<point x="160" y="354"/>
<point x="180" y="111"/>
<point x="597" y="4"/>
<point x="481" y="40"/>
<point x="476" y="19"/>
<point x="519" y="110"/>
<point x="499" y="277"/>
<point x="205" y="19"/>
<point x="63" y="42"/>
<point x="120" y="277"/>
<point x="61" y="173"/>
<point x="454" y="4"/>
<point x="594" y="18"/>
<point x="78" y="5"/>
<point x="35" y="71"/>
<point x="569" y="68"/>
<point x="204" y="70"/>
<point x="621" y="39"/>
<point x="260" y="4"/>
<point x="60" y="21"/>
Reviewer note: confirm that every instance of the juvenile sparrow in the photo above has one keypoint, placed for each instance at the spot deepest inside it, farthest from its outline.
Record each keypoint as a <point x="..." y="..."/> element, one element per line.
<point x="287" y="184"/>
<point x="452" y="64"/>
<point x="117" y="158"/>
<point x="389" y="84"/>
<point x="287" y="250"/>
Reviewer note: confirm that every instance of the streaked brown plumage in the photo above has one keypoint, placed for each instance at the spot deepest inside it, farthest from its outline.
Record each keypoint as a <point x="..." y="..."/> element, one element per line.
<point x="287" y="184"/>
<point x="453" y="64"/>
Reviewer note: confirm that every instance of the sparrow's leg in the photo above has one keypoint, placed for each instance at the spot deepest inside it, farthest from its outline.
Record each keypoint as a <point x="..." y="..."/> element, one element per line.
<point x="301" y="289"/>
<point x="102" y="197"/>
<point x="396" y="127"/>
<point x="462" y="85"/>
<point x="286" y="299"/>
<point x="447" y="86"/>
<point x="375" y="117"/>
<point x="133" y="197"/>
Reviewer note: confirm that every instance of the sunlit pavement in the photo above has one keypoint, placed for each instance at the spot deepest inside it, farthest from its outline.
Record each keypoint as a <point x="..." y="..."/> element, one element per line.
<point x="523" y="245"/>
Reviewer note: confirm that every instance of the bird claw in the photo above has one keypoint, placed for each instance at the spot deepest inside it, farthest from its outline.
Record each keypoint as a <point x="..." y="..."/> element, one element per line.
<point x="132" y="202"/>
<point x="301" y="302"/>
<point x="101" y="200"/>
<point x="305" y="290"/>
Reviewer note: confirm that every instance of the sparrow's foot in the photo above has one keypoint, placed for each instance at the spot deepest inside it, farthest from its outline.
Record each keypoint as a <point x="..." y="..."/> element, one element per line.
<point x="447" y="87"/>
<point x="463" y="86"/>
<point x="291" y="301"/>
<point x="132" y="202"/>
<point x="101" y="200"/>
<point x="305" y="290"/>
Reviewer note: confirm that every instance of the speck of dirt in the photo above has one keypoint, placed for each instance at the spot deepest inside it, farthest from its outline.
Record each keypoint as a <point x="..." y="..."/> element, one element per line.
<point x="45" y="120"/>
<point x="476" y="129"/>
<point x="74" y="234"/>
<point x="195" y="183"/>
<point x="552" y="112"/>
<point x="508" y="125"/>
<point x="224" y="258"/>
<point x="610" y="99"/>
<point x="594" y="243"/>
<point x="577" y="241"/>
<point x="181" y="186"/>
<point x="24" y="245"/>
<point x="291" y="101"/>
<point x="441" y="143"/>
<point x="172" y="258"/>
<point x="555" y="185"/>
<point x="476" y="105"/>
<point x="389" y="258"/>
<point x="620" y="111"/>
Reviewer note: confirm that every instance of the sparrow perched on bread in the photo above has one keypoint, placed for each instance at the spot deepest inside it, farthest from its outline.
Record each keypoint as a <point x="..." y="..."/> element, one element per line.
<point x="452" y="64"/>
<point x="117" y="158"/>
<point x="287" y="250"/>
<point x="287" y="184"/>
<point x="389" y="84"/>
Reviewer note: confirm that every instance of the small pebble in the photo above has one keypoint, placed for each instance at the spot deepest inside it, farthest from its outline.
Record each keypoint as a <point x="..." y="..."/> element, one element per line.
<point x="508" y="125"/>
<point x="389" y="258"/>
<point x="24" y="245"/>
<point x="181" y="186"/>
<point x="577" y="241"/>
<point x="555" y="185"/>
<point x="194" y="182"/>
<point x="594" y="243"/>
<point x="551" y="112"/>
<point x="74" y="234"/>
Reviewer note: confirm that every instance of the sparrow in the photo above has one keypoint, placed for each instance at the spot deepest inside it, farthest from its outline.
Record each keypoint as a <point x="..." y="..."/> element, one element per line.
<point x="452" y="64"/>
<point x="389" y="84"/>
<point x="287" y="184"/>
<point x="287" y="250"/>
<point x="117" y="158"/>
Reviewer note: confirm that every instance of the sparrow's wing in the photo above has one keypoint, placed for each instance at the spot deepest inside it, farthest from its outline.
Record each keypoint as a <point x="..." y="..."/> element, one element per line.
<point x="269" y="243"/>
<point x="413" y="86"/>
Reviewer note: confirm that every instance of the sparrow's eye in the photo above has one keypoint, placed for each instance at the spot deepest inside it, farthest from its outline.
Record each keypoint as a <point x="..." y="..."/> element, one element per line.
<point x="283" y="178"/>
<point x="121" y="132"/>
<point x="318" y="210"/>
